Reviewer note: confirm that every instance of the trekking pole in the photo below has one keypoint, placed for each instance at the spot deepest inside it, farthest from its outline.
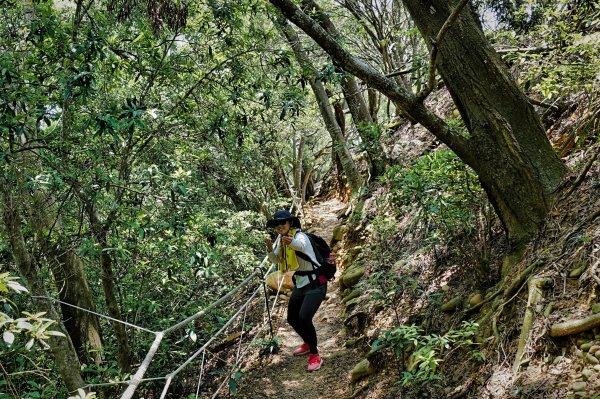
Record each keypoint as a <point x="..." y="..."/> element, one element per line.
<point x="262" y="279"/>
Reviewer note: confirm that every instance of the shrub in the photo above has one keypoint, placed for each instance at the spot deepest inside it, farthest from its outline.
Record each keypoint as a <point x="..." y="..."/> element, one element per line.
<point x="423" y="354"/>
<point x="442" y="190"/>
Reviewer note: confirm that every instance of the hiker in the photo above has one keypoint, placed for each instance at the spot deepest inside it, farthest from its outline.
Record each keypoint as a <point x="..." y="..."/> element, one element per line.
<point x="309" y="288"/>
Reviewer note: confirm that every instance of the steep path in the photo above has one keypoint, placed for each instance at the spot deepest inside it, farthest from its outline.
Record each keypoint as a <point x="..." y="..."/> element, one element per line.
<point x="283" y="376"/>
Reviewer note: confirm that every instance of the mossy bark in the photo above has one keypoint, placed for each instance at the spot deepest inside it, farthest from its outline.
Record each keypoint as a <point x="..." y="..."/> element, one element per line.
<point x="62" y="348"/>
<point x="70" y="279"/>
<point x="507" y="146"/>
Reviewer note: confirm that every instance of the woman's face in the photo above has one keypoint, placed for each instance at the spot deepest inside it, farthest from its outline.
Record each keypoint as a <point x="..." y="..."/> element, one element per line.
<point x="283" y="228"/>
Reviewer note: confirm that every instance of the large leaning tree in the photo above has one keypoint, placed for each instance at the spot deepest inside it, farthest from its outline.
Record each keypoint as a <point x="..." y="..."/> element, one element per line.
<point x="505" y="143"/>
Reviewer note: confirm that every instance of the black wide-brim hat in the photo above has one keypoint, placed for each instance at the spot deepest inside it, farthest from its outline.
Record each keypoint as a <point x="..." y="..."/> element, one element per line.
<point x="282" y="215"/>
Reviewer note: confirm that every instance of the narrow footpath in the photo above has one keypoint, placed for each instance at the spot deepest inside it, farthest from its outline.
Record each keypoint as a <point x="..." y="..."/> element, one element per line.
<point x="284" y="376"/>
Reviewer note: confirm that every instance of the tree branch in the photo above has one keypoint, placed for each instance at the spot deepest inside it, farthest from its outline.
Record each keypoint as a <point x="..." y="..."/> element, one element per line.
<point x="434" y="49"/>
<point x="399" y="95"/>
<point x="531" y="50"/>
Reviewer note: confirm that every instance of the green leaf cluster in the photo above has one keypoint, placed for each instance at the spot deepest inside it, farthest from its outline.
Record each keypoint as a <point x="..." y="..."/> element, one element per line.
<point x="442" y="192"/>
<point x="559" y="41"/>
<point x="422" y="355"/>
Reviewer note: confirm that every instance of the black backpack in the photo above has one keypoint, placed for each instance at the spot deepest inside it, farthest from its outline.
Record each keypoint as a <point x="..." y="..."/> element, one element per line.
<point x="323" y="254"/>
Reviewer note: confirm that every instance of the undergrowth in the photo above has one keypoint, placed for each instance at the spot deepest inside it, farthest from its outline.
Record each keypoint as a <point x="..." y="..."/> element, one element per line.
<point x="448" y="206"/>
<point x="420" y="356"/>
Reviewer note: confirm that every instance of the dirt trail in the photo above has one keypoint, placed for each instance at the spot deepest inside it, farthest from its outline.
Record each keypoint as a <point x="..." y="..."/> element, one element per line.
<point x="283" y="376"/>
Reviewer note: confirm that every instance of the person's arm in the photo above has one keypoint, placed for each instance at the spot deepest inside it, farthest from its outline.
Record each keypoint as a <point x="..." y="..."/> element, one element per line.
<point x="301" y="243"/>
<point x="274" y="250"/>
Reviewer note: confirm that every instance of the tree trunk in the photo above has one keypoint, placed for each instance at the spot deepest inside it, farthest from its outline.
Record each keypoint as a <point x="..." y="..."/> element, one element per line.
<point x="373" y="98"/>
<point x="108" y="285"/>
<point x="298" y="167"/>
<point x="337" y="138"/>
<point x="70" y="279"/>
<point x="43" y="216"/>
<point x="62" y="348"/>
<point x="307" y="179"/>
<point x="340" y="118"/>
<point x="508" y="148"/>
<point x="368" y="132"/>
<point x="506" y="145"/>
<point x="73" y="288"/>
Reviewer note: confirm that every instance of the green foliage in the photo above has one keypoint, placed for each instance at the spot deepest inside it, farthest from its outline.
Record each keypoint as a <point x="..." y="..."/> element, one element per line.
<point x="441" y="190"/>
<point x="160" y="134"/>
<point x="269" y="345"/>
<point x="234" y="381"/>
<point x="423" y="354"/>
<point x="22" y="332"/>
<point x="384" y="225"/>
<point x="564" y="32"/>
<point x="520" y="15"/>
<point x="81" y="394"/>
<point x="17" y="346"/>
<point x="388" y="287"/>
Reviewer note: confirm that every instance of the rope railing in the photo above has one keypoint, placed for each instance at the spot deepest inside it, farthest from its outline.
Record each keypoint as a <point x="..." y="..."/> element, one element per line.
<point x="238" y="360"/>
<point x="203" y="348"/>
<point x="94" y="313"/>
<point x="138" y="377"/>
<point x="241" y="356"/>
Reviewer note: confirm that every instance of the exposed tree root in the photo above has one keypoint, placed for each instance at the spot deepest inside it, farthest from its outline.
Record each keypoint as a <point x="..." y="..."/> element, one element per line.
<point x="359" y="390"/>
<point x="535" y="286"/>
<point x="503" y="295"/>
<point x="507" y="290"/>
<point x="575" y="326"/>
<point x="461" y="391"/>
<point x="516" y="283"/>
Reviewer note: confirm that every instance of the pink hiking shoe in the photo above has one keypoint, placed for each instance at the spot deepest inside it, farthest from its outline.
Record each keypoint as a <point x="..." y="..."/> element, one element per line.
<point x="314" y="362"/>
<point x="301" y="350"/>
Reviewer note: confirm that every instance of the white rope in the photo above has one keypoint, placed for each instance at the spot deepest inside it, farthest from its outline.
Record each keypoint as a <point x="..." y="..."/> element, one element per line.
<point x="166" y="387"/>
<point x="203" y="348"/>
<point x="201" y="373"/>
<point x="277" y="294"/>
<point x="214" y="304"/>
<point x="94" y="313"/>
<point x="220" y="386"/>
<point x="237" y="356"/>
<point x="263" y="327"/>
<point x="128" y="394"/>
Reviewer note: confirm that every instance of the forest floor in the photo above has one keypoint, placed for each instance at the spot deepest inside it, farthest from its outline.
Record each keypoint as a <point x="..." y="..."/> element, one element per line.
<point x="284" y="376"/>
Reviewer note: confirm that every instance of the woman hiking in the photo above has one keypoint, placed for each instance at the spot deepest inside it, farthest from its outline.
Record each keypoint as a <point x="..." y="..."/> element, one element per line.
<point x="309" y="287"/>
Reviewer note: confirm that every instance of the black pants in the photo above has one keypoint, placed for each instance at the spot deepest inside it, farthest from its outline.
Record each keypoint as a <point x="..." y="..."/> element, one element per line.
<point x="302" y="307"/>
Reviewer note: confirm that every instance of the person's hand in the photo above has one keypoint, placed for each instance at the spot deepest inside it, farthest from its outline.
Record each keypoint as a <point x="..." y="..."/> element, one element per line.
<point x="286" y="240"/>
<point x="269" y="244"/>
